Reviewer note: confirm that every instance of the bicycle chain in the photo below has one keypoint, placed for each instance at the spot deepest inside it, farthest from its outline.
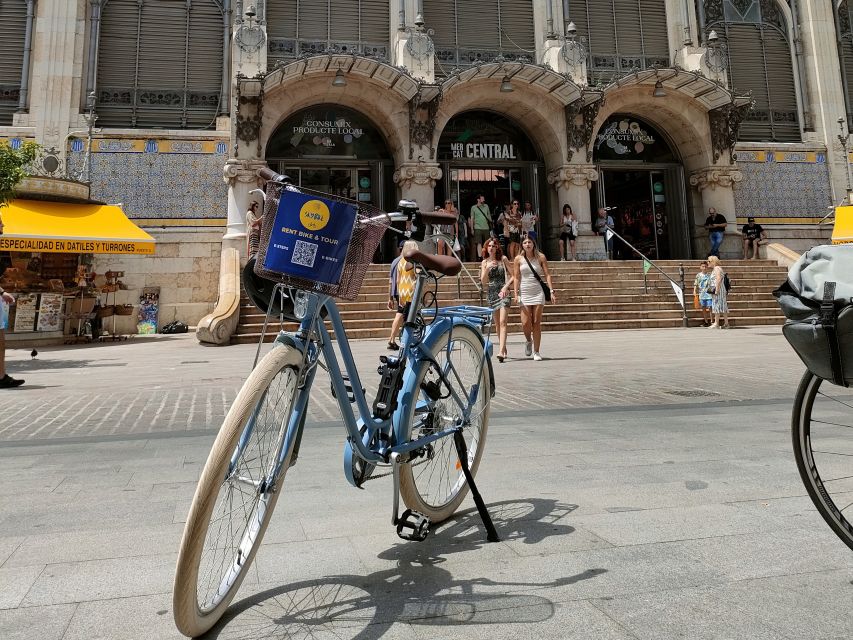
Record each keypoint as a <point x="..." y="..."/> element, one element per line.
<point x="390" y="473"/>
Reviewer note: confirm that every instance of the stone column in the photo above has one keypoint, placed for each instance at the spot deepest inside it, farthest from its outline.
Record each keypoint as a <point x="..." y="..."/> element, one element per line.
<point x="241" y="178"/>
<point x="572" y="183"/>
<point x="417" y="182"/>
<point x="716" y="187"/>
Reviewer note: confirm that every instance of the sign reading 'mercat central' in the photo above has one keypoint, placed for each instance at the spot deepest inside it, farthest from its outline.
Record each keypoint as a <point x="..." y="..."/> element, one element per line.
<point x="477" y="151"/>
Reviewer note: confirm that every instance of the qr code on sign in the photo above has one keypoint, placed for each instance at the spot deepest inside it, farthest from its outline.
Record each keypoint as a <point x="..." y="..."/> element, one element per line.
<point x="304" y="253"/>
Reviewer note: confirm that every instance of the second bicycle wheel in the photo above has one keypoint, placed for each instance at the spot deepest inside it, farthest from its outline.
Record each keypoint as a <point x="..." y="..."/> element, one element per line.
<point x="236" y="495"/>
<point x="822" y="431"/>
<point x="435" y="485"/>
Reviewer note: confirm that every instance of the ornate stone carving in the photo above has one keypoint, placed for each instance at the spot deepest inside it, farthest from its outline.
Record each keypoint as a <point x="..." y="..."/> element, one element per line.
<point x="725" y="123"/>
<point x="580" y="175"/>
<point x="417" y="173"/>
<point x="422" y="121"/>
<point x="580" y="120"/>
<point x="250" y="111"/>
<point x="236" y="170"/>
<point x="713" y="177"/>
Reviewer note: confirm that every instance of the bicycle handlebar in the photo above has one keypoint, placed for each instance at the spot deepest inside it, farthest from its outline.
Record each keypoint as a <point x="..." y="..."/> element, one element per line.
<point x="269" y="175"/>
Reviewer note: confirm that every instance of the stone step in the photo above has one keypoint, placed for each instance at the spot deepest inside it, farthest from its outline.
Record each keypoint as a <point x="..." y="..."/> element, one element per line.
<point x="515" y="327"/>
<point x="592" y="295"/>
<point x="251" y="315"/>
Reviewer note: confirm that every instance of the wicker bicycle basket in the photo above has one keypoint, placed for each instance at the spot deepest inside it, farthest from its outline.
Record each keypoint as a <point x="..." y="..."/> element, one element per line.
<point x="365" y="238"/>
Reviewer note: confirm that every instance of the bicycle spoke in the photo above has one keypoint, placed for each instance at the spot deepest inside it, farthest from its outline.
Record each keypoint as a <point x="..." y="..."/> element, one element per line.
<point x="824" y="451"/>
<point x="238" y="512"/>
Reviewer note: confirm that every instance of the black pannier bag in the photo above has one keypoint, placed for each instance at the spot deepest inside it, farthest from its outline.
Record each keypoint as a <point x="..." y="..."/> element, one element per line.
<point x="817" y="300"/>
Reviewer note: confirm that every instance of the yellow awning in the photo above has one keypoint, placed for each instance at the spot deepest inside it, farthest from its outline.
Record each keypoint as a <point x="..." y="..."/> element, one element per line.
<point x="842" y="232"/>
<point x="57" y="227"/>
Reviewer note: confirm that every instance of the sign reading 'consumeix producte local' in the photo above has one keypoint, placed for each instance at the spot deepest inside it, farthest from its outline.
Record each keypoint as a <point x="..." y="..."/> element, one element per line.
<point x="310" y="237"/>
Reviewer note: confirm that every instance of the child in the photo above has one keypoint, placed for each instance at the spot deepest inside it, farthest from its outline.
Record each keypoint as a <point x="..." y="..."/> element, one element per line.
<point x="700" y="288"/>
<point x="401" y="289"/>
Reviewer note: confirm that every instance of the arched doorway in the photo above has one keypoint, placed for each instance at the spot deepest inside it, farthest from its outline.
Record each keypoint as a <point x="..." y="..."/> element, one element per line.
<point x="335" y="150"/>
<point x="641" y="183"/>
<point x="482" y="152"/>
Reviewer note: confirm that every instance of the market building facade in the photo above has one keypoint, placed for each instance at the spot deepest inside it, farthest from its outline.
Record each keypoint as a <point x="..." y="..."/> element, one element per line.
<point x="655" y="109"/>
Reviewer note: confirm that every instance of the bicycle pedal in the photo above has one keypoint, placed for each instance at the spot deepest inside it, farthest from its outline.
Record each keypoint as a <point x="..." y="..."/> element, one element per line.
<point x="413" y="526"/>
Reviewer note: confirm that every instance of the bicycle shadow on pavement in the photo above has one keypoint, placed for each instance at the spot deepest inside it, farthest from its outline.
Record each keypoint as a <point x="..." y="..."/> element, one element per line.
<point x="415" y="591"/>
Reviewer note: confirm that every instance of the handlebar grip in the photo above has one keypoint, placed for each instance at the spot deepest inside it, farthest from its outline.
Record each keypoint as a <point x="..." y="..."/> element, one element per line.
<point x="269" y="175"/>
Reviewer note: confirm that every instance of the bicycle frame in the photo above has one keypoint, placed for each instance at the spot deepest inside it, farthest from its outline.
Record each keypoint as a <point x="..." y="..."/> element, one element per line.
<point x="313" y="340"/>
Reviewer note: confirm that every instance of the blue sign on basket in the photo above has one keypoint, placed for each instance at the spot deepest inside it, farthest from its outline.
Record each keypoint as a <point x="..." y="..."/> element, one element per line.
<point x="310" y="237"/>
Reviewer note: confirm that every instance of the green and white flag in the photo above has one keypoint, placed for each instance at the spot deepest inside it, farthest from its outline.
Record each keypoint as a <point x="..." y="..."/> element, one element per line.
<point x="646" y="266"/>
<point x="678" y="293"/>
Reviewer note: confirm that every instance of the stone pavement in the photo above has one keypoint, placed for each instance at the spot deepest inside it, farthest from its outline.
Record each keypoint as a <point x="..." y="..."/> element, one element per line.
<point x="642" y="483"/>
<point x="171" y="383"/>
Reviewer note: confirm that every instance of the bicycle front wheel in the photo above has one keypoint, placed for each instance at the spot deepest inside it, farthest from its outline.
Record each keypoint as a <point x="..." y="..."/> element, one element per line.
<point x="435" y="485"/>
<point x="236" y="494"/>
<point x="822" y="431"/>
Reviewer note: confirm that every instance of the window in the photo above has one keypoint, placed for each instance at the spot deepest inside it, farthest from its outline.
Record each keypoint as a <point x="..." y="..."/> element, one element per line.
<point x="469" y="31"/>
<point x="13" y="24"/>
<point x="297" y="27"/>
<point x="621" y="36"/>
<point x="755" y="33"/>
<point x="160" y="64"/>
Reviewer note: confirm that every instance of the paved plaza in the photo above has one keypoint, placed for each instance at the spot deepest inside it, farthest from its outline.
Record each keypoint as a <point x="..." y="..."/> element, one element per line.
<point x="642" y="483"/>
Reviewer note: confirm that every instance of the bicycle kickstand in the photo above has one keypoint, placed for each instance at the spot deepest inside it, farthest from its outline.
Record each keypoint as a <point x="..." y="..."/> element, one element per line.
<point x="462" y="452"/>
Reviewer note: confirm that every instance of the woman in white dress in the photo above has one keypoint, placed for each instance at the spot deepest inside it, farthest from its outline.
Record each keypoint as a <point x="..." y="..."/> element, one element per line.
<point x="530" y="294"/>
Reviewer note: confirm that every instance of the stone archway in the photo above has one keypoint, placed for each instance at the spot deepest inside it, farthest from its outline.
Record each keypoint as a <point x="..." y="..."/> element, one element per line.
<point x="684" y="115"/>
<point x="376" y="90"/>
<point x="537" y="104"/>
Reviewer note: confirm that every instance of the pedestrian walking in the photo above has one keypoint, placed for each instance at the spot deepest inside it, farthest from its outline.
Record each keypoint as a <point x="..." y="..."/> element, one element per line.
<point x="754" y="236"/>
<point x="512" y="229"/>
<point x="701" y="284"/>
<point x="496" y="276"/>
<point x="529" y="220"/>
<point x="6" y="300"/>
<point x="529" y="282"/>
<point x="568" y="233"/>
<point x="253" y="230"/>
<point x="481" y="223"/>
<point x="602" y="222"/>
<point x="449" y="232"/>
<point x="715" y="223"/>
<point x="719" y="295"/>
<point x="401" y="290"/>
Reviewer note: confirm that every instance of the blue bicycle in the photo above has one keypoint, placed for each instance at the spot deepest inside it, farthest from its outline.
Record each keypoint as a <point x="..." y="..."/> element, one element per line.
<point x="427" y="425"/>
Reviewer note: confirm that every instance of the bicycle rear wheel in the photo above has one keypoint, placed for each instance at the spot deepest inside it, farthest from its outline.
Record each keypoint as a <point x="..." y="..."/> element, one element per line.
<point x="822" y="432"/>
<point x="436" y="485"/>
<point x="236" y="494"/>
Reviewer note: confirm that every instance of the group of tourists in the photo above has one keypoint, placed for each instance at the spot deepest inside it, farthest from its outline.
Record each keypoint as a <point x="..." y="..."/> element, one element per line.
<point x="523" y="278"/>
<point x="509" y="226"/>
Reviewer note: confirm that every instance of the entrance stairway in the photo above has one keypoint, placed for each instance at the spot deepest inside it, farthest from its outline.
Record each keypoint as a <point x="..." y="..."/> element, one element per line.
<point x="591" y="295"/>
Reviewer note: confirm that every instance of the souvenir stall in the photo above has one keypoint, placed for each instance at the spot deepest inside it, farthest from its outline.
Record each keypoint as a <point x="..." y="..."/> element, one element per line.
<point x="47" y="249"/>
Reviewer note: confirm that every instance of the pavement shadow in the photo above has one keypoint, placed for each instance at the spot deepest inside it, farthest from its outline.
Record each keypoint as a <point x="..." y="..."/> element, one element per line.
<point x="418" y="590"/>
<point x="45" y="364"/>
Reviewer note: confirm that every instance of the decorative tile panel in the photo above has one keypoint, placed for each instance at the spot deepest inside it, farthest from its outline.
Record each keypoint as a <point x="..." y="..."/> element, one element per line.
<point x="783" y="184"/>
<point x="158" y="179"/>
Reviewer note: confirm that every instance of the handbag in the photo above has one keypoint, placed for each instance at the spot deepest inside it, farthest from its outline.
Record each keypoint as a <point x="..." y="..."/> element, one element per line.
<point x="456" y="246"/>
<point x="545" y="288"/>
<point x="696" y="304"/>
